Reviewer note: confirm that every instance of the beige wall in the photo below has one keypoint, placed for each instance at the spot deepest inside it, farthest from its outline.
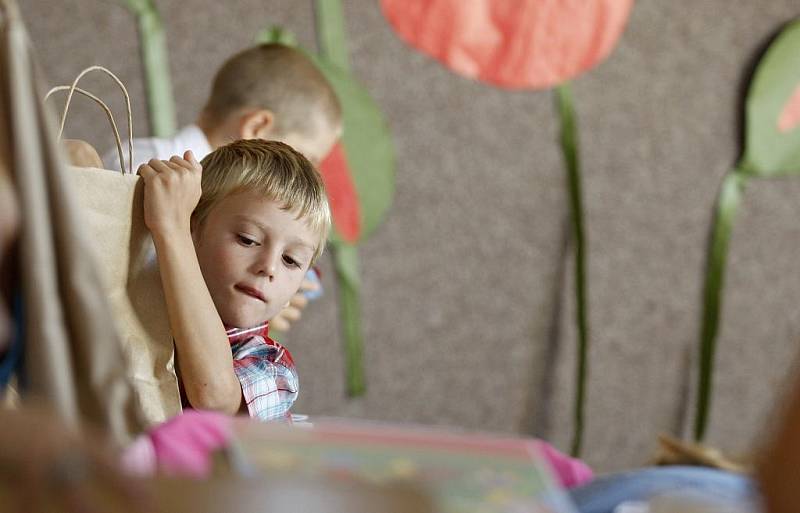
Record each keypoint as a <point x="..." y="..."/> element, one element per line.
<point x="461" y="282"/>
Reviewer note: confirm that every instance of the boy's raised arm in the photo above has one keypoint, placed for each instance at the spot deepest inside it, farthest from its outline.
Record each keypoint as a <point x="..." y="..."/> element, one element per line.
<point x="172" y="191"/>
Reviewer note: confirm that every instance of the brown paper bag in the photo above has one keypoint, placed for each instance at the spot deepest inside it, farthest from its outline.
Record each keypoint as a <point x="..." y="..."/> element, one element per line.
<point x="112" y="208"/>
<point x="73" y="358"/>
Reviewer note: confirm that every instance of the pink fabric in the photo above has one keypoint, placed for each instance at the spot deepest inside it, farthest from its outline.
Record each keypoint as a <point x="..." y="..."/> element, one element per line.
<point x="570" y="472"/>
<point x="342" y="194"/>
<point x="139" y="458"/>
<point x="182" y="446"/>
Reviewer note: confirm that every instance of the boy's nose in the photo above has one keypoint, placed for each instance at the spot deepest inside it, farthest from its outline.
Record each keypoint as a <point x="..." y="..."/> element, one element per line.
<point x="267" y="269"/>
<point x="267" y="266"/>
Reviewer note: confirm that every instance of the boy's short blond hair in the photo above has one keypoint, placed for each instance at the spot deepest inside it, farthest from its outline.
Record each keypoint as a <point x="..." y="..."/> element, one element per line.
<point x="281" y="79"/>
<point x="273" y="169"/>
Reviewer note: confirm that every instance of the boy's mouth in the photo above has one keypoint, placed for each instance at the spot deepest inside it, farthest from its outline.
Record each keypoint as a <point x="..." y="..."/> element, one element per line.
<point x="250" y="291"/>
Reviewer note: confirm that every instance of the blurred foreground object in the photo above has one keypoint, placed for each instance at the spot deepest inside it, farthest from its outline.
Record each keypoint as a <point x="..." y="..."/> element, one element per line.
<point x="778" y="469"/>
<point x="112" y="215"/>
<point x="673" y="451"/>
<point x="464" y="473"/>
<point x="46" y="467"/>
<point x="73" y="359"/>
<point x="281" y="495"/>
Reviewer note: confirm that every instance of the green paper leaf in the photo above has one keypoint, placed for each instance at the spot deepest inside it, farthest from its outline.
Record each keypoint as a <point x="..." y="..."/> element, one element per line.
<point x="728" y="201"/>
<point x="155" y="60"/>
<point x="369" y="147"/>
<point x="772" y="148"/>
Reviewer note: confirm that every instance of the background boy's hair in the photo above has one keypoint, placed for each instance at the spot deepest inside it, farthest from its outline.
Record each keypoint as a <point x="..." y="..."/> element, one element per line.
<point x="279" y="78"/>
<point x="273" y="169"/>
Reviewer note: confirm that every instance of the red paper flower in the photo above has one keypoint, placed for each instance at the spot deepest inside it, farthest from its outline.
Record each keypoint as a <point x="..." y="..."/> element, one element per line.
<point x="514" y="44"/>
<point x="342" y="194"/>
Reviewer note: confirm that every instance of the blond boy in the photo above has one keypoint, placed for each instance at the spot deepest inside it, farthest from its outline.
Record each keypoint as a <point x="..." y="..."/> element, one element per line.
<point x="270" y="92"/>
<point x="234" y="238"/>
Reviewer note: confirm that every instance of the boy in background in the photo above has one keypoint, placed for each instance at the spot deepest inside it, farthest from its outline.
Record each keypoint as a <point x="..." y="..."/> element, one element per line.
<point x="270" y="92"/>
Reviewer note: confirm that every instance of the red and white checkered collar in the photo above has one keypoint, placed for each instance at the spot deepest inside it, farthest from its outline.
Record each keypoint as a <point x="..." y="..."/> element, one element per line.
<point x="239" y="334"/>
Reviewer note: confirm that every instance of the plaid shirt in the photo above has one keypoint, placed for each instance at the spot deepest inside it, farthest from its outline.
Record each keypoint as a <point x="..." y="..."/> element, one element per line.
<point x="266" y="372"/>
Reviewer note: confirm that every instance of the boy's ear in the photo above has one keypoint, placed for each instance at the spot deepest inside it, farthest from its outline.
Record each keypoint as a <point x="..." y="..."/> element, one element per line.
<point x="257" y="124"/>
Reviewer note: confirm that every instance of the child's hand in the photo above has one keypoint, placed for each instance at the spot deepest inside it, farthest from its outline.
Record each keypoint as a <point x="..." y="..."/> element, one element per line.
<point x="292" y="312"/>
<point x="82" y="154"/>
<point x="171" y="193"/>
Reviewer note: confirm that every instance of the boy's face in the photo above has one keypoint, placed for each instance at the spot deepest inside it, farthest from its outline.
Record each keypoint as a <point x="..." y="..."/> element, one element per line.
<point x="253" y="256"/>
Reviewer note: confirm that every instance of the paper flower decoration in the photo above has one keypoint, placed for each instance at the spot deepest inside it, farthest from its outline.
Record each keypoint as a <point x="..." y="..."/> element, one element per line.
<point x="515" y="44"/>
<point x="345" y="207"/>
<point x="359" y="172"/>
<point x="525" y="44"/>
<point x="772" y="148"/>
<point x="358" y="176"/>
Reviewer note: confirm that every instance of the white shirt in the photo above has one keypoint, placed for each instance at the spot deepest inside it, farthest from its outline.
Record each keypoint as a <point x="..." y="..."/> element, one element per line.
<point x="188" y="138"/>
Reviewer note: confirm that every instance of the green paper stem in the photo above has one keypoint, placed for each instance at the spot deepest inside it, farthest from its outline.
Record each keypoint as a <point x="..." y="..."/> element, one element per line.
<point x="569" y="147"/>
<point x="345" y="258"/>
<point x="728" y="201"/>
<point x="331" y="33"/>
<point x="155" y="60"/>
<point x="333" y="48"/>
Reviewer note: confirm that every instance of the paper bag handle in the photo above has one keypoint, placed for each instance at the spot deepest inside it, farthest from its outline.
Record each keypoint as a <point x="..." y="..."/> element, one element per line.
<point x="74" y="87"/>
<point x="108" y="114"/>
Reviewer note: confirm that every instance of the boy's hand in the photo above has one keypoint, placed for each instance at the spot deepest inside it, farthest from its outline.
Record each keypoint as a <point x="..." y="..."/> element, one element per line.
<point x="171" y="193"/>
<point x="293" y="311"/>
<point x="82" y="154"/>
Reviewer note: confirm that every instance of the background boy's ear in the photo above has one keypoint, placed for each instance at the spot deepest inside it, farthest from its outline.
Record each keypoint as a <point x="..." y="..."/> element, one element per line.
<point x="257" y="124"/>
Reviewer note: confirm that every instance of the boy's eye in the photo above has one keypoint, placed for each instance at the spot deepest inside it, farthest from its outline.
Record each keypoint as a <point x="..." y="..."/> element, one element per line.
<point x="291" y="261"/>
<point x="246" y="241"/>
